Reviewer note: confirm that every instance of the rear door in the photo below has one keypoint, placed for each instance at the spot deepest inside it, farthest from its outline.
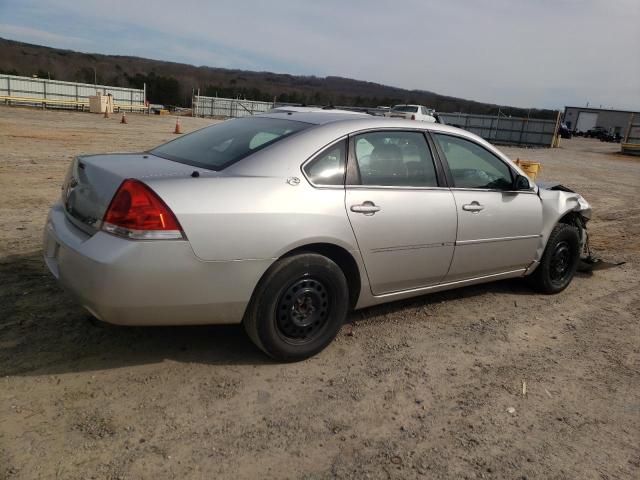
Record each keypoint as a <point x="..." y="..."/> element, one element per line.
<point x="498" y="228"/>
<point x="403" y="217"/>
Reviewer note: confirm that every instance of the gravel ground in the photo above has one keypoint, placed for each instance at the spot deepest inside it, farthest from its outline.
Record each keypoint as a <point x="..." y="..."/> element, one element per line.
<point x="426" y="388"/>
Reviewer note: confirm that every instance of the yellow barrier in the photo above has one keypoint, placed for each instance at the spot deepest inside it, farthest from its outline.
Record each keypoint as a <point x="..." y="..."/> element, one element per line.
<point x="530" y="168"/>
<point x="630" y="148"/>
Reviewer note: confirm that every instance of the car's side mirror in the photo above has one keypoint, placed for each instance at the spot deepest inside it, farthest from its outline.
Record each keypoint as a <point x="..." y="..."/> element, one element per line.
<point x="521" y="183"/>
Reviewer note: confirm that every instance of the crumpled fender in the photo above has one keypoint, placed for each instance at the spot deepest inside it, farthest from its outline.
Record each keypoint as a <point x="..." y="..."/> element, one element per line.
<point x="555" y="205"/>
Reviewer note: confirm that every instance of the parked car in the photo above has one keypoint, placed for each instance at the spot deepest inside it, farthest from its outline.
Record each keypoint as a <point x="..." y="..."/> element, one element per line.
<point x="595" y="132"/>
<point x="564" y="131"/>
<point x="285" y="222"/>
<point x="412" y="112"/>
<point x="603" y="135"/>
<point x="607" y="136"/>
<point x="158" y="109"/>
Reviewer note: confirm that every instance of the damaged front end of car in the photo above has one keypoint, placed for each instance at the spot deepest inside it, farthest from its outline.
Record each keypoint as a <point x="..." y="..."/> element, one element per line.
<point x="560" y="204"/>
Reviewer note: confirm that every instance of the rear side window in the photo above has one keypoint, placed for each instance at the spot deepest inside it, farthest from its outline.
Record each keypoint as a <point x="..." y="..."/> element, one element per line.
<point x="327" y="168"/>
<point x="218" y="146"/>
<point x="472" y="166"/>
<point x="406" y="108"/>
<point x="395" y="159"/>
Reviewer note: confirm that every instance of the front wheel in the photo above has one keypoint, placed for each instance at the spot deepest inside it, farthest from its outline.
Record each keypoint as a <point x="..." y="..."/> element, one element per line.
<point x="559" y="261"/>
<point x="298" y="307"/>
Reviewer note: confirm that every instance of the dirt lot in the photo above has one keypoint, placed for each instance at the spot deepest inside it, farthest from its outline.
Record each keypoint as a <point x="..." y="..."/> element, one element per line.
<point x="417" y="388"/>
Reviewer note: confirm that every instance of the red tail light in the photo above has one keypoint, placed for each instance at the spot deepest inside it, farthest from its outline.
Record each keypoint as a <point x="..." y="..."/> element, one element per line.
<point x="137" y="212"/>
<point x="413" y="117"/>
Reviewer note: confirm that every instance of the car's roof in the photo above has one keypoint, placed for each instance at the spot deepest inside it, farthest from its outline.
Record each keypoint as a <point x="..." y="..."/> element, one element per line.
<point x="287" y="109"/>
<point x="328" y="126"/>
<point x="356" y="121"/>
<point x="316" y="117"/>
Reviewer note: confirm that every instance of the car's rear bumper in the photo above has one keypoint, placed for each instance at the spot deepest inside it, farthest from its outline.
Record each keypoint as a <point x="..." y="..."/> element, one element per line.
<point x="146" y="282"/>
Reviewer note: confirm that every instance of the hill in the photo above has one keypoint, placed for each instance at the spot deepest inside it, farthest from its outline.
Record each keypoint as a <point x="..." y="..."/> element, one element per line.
<point x="172" y="83"/>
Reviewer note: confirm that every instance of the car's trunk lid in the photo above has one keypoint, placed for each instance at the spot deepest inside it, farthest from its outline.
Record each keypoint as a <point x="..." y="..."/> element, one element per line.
<point x="93" y="180"/>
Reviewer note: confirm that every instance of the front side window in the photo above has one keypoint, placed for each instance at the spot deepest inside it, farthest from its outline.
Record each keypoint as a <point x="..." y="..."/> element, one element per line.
<point x="220" y="145"/>
<point x="327" y="168"/>
<point x="472" y="166"/>
<point x="395" y="159"/>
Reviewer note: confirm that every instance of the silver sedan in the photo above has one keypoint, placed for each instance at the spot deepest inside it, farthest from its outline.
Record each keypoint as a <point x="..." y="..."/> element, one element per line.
<point x="285" y="222"/>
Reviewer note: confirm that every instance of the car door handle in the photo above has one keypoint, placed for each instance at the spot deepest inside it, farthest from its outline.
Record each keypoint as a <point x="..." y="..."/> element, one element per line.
<point x="368" y="208"/>
<point x="473" y="207"/>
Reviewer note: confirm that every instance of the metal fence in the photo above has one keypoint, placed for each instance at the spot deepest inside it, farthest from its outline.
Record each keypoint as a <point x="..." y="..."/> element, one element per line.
<point x="631" y="142"/>
<point x="28" y="90"/>
<point x="227" y="107"/>
<point x="506" y="130"/>
<point x="633" y="131"/>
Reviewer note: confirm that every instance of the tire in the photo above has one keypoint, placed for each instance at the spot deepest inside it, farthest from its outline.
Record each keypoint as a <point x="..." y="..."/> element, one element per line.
<point x="559" y="261"/>
<point x="297" y="307"/>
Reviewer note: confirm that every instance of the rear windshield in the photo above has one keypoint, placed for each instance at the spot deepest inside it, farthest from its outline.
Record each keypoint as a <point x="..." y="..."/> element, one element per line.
<point x="218" y="146"/>
<point x="405" y="108"/>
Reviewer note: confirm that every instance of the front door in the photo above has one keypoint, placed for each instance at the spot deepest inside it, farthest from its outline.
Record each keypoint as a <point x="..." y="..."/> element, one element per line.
<point x="498" y="228"/>
<point x="403" y="219"/>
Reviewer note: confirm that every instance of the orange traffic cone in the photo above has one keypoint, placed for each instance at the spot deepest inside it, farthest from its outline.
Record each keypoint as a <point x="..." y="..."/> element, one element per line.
<point x="124" y="118"/>
<point x="106" y="111"/>
<point x="178" y="127"/>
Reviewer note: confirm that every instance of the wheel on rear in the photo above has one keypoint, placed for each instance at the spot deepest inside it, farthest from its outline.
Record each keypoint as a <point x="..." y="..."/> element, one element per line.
<point x="559" y="261"/>
<point x="298" y="307"/>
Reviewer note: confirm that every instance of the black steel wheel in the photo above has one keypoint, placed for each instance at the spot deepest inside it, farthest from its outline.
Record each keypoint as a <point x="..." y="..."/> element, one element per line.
<point x="560" y="260"/>
<point x="298" y="307"/>
<point x="302" y="310"/>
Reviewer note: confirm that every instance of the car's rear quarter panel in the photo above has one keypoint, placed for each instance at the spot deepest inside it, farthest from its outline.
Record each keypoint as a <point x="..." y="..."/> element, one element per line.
<point x="147" y="282"/>
<point x="247" y="218"/>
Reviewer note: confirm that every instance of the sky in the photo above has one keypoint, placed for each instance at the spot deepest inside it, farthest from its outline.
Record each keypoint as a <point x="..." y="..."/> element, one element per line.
<point x="535" y="53"/>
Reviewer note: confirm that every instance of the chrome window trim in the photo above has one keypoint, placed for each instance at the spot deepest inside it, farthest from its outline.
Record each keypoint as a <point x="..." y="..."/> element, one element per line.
<point x="391" y="187"/>
<point x="326" y="187"/>
<point x="463" y="189"/>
